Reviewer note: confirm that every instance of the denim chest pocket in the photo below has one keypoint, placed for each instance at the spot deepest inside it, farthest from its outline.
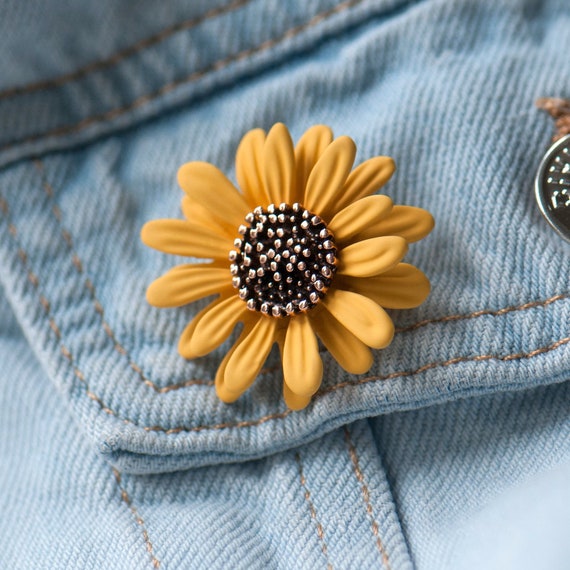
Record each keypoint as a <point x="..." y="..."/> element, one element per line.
<point x="75" y="270"/>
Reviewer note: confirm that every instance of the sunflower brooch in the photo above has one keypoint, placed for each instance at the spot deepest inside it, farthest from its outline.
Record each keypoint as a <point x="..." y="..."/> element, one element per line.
<point x="305" y="251"/>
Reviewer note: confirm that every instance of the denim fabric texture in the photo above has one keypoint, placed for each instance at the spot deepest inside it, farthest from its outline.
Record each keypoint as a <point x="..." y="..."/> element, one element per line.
<point x="453" y="452"/>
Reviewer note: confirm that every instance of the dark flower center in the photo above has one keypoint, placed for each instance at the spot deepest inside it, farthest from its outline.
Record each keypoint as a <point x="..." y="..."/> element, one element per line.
<point x="285" y="261"/>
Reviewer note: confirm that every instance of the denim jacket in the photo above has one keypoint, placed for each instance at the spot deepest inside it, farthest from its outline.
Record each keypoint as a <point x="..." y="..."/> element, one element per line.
<point x="453" y="452"/>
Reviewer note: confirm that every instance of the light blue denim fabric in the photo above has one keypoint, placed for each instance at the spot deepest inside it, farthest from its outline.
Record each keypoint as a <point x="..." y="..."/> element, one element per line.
<point x="452" y="453"/>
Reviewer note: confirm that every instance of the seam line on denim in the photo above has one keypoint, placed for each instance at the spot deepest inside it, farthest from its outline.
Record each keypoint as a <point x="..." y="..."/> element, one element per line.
<point x="366" y="496"/>
<point x="124" y="53"/>
<point x="66" y="353"/>
<point x="139" y="520"/>
<point x="485" y="312"/>
<point x="312" y="511"/>
<point x="203" y="382"/>
<point x="216" y="66"/>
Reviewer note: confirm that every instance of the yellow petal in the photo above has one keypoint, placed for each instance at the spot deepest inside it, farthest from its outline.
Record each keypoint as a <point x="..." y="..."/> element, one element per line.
<point x="279" y="164"/>
<point x="187" y="283"/>
<point x="308" y="150"/>
<point x="366" y="179"/>
<point x="197" y="214"/>
<point x="408" y="222"/>
<point x="302" y="364"/>
<point x="402" y="287"/>
<point x="211" y="326"/>
<point x="180" y="237"/>
<point x="328" y="176"/>
<point x="221" y="389"/>
<point x="358" y="216"/>
<point x="350" y="352"/>
<point x="248" y="358"/>
<point x="361" y="316"/>
<point x="249" y="168"/>
<point x="207" y="185"/>
<point x="294" y="401"/>
<point x="371" y="256"/>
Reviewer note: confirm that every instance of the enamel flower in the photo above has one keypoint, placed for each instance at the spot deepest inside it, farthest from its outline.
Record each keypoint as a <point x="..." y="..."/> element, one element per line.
<point x="305" y="251"/>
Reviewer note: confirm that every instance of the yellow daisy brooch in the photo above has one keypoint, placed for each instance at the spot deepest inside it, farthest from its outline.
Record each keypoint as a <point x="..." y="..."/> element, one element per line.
<point x="305" y="251"/>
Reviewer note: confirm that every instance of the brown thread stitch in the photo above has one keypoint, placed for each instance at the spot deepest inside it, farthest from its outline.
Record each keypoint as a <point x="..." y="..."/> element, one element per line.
<point x="450" y="362"/>
<point x="367" y="380"/>
<point x="220" y="64"/>
<point x="307" y="494"/>
<point x="124" y="53"/>
<point x="366" y="496"/>
<point x="22" y="255"/>
<point x="485" y="312"/>
<point x="128" y="501"/>
<point x="277" y="415"/>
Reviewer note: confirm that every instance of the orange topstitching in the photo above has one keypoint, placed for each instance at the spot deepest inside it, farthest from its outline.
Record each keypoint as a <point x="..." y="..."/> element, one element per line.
<point x="273" y="416"/>
<point x="312" y="511"/>
<point x="138" y="519"/>
<point x="366" y="496"/>
<point x="485" y="312"/>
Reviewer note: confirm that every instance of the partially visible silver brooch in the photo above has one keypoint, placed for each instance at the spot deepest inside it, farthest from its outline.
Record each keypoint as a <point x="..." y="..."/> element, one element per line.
<point x="552" y="183"/>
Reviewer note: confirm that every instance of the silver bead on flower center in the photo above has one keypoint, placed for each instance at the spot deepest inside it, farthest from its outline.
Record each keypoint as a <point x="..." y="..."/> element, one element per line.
<point x="285" y="260"/>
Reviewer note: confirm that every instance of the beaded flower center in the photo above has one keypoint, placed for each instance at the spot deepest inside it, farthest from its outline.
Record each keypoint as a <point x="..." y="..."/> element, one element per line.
<point x="285" y="261"/>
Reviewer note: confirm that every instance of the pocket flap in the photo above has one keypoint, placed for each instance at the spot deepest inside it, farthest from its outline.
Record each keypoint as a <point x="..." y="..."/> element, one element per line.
<point x="75" y="271"/>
